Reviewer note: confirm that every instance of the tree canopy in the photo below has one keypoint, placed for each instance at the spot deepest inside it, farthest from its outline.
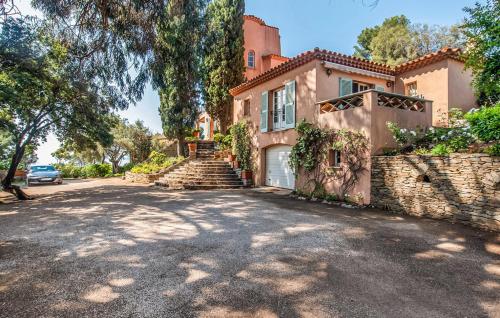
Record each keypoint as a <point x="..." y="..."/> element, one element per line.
<point x="397" y="40"/>
<point x="178" y="47"/>
<point x="40" y="92"/>
<point x="223" y="61"/>
<point x="482" y="54"/>
<point x="110" y="38"/>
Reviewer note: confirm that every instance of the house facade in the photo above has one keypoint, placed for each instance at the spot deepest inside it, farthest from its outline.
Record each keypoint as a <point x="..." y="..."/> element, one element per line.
<point x="337" y="91"/>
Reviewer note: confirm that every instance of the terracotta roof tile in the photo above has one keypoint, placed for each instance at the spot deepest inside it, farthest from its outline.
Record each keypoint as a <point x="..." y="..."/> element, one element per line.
<point x="258" y="20"/>
<point x="276" y="56"/>
<point x="347" y="60"/>
<point x="444" y="53"/>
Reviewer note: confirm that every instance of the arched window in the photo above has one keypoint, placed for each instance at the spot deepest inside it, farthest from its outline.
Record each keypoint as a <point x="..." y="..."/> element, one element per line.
<point x="251" y="59"/>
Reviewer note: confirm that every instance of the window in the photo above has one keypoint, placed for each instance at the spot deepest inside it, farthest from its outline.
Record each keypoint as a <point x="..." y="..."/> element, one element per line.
<point x="359" y="87"/>
<point x="334" y="158"/>
<point x="251" y="59"/>
<point x="411" y="89"/>
<point x="279" y="109"/>
<point x="246" y="107"/>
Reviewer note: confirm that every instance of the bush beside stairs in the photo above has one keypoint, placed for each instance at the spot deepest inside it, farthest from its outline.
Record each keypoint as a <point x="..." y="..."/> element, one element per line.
<point x="202" y="173"/>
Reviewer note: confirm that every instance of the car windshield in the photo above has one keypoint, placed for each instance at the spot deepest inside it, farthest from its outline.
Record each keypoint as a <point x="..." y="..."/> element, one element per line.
<point x="42" y="168"/>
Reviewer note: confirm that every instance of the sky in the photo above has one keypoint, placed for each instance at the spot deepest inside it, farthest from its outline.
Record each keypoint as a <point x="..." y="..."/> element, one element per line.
<point x="328" y="24"/>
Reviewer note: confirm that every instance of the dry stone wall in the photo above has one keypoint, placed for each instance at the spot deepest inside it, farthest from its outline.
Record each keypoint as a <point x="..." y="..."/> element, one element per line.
<point x="462" y="187"/>
<point x="142" y="177"/>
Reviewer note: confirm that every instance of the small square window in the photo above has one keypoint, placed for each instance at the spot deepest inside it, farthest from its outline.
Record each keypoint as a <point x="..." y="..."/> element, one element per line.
<point x="411" y="89"/>
<point x="246" y="107"/>
<point x="334" y="158"/>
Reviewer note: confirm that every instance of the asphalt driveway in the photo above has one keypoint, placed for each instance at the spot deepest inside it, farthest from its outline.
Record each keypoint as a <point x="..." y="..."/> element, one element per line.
<point x="117" y="250"/>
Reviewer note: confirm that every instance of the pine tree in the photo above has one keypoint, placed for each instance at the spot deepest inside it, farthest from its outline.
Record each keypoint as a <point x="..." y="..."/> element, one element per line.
<point x="223" y="60"/>
<point x="179" y="49"/>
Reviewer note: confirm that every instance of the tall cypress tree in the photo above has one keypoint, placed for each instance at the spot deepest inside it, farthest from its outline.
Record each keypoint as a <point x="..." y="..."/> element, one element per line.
<point x="223" y="60"/>
<point x="178" y="47"/>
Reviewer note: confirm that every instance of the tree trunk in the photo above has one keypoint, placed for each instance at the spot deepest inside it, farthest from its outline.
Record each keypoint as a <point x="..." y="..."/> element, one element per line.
<point x="179" y="148"/>
<point x="115" y="166"/>
<point x="7" y="181"/>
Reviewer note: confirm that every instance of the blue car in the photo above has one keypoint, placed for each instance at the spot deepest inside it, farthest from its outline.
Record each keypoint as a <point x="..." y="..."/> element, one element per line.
<point x="43" y="174"/>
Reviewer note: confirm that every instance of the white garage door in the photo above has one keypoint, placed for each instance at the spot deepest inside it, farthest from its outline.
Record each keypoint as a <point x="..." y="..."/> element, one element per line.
<point x="278" y="171"/>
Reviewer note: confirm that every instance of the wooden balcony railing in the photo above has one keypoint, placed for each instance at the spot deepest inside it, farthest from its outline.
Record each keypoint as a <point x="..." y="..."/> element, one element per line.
<point x="401" y="102"/>
<point x="342" y="103"/>
<point x="383" y="99"/>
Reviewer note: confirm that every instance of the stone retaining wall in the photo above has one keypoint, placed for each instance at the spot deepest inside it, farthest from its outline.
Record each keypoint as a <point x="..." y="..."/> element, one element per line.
<point x="142" y="177"/>
<point x="462" y="187"/>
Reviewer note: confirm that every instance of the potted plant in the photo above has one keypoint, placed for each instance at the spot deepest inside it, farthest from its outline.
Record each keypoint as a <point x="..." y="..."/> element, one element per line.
<point x="241" y="147"/>
<point x="246" y="174"/>
<point x="196" y="133"/>
<point x="192" y="144"/>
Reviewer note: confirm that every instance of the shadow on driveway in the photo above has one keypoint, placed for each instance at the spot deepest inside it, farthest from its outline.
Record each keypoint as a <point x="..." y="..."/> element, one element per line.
<point x="120" y="250"/>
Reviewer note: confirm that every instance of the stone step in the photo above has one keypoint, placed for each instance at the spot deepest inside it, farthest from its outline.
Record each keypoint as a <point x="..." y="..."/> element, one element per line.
<point x="209" y="182"/>
<point x="197" y="179"/>
<point x="209" y="164"/>
<point x="209" y="169"/>
<point x="212" y="187"/>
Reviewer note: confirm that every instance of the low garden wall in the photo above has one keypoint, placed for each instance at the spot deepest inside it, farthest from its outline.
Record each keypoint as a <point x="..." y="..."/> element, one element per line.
<point x="151" y="177"/>
<point x="142" y="177"/>
<point x="463" y="188"/>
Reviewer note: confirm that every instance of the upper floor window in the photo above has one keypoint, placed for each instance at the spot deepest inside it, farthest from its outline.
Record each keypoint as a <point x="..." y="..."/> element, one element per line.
<point x="251" y="59"/>
<point x="279" y="109"/>
<point x="411" y="89"/>
<point x="246" y="107"/>
<point x="359" y="87"/>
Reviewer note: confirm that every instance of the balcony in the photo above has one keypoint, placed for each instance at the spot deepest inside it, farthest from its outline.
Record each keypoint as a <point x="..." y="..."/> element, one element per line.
<point x="381" y="99"/>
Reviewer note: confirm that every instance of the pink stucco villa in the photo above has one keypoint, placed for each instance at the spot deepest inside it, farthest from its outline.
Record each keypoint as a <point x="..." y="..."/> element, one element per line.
<point x="333" y="90"/>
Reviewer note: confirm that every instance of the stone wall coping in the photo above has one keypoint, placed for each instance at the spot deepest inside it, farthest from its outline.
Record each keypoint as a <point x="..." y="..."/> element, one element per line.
<point x="462" y="155"/>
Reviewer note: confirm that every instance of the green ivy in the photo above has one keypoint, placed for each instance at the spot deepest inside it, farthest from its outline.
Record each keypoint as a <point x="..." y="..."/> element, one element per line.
<point x="311" y="151"/>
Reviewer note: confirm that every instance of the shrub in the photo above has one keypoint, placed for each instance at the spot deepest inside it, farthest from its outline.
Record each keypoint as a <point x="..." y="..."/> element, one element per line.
<point x="153" y="167"/>
<point x="126" y="167"/>
<point x="69" y="170"/>
<point x="485" y="123"/>
<point x="157" y="157"/>
<point x="440" y="150"/>
<point x="241" y="144"/>
<point x="493" y="150"/>
<point x="421" y="151"/>
<point x="224" y="141"/>
<point x="97" y="170"/>
<point x="191" y="139"/>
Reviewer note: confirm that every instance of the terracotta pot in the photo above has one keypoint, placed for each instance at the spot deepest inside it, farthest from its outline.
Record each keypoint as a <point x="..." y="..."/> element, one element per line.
<point x="246" y="174"/>
<point x="231" y="157"/>
<point x="192" y="146"/>
<point x="196" y="134"/>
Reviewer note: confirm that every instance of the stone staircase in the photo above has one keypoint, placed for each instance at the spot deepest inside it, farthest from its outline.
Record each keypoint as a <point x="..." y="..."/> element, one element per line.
<point x="202" y="172"/>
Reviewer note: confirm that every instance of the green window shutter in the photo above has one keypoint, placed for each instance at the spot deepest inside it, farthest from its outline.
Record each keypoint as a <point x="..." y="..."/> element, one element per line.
<point x="290" y="104"/>
<point x="264" y="118"/>
<point x="345" y="86"/>
<point x="379" y="88"/>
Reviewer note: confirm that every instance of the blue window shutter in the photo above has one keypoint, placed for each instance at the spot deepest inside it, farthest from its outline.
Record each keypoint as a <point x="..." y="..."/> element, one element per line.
<point x="379" y="88"/>
<point x="290" y="104"/>
<point x="345" y="86"/>
<point x="264" y="118"/>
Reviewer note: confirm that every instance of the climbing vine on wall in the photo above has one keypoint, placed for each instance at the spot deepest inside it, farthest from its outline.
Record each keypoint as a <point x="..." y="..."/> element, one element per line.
<point x="310" y="156"/>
